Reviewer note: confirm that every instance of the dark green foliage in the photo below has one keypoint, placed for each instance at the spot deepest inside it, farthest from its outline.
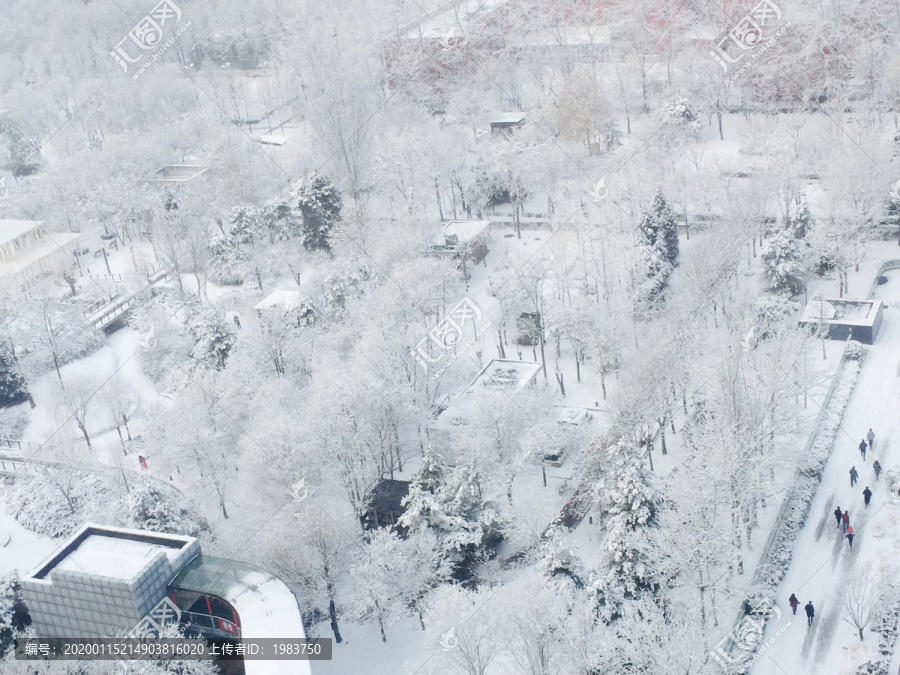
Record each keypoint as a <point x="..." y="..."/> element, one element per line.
<point x="12" y="385"/>
<point x="319" y="204"/>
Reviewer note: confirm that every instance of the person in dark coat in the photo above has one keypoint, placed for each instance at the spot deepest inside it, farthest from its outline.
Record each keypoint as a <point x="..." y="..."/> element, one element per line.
<point x="837" y="515"/>
<point x="845" y="520"/>
<point x="237" y="321"/>
<point x="862" y="448"/>
<point x="810" y="613"/>
<point x="850" y="536"/>
<point x="877" y="468"/>
<point x="854" y="476"/>
<point x="793" y="602"/>
<point x="867" y="495"/>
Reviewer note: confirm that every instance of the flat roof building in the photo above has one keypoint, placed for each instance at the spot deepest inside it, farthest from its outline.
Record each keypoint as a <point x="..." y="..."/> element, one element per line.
<point x="843" y="318"/>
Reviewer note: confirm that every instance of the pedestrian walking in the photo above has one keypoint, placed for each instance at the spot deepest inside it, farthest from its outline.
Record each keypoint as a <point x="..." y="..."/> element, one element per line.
<point x="867" y="495"/>
<point x="854" y="476"/>
<point x="237" y="321"/>
<point x="793" y="602"/>
<point x="845" y="520"/>
<point x="862" y="448"/>
<point x="850" y="536"/>
<point x="469" y="211"/>
<point x="810" y="613"/>
<point x="871" y="438"/>
<point x="877" y="468"/>
<point x="837" y="515"/>
<point x="142" y="461"/>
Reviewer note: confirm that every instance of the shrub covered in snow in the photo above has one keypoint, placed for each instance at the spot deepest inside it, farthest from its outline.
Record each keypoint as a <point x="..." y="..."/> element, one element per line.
<point x="228" y="263"/>
<point x="885" y="624"/>
<point x="772" y="311"/>
<point x="154" y="506"/>
<point x="59" y="500"/>
<point x="679" y="111"/>
<point x="855" y="351"/>
<point x="559" y="559"/>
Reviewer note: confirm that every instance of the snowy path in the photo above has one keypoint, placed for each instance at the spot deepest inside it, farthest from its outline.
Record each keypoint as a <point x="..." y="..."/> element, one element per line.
<point x="823" y="562"/>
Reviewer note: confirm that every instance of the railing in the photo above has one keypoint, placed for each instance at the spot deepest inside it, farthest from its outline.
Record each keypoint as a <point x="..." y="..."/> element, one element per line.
<point x="211" y="622"/>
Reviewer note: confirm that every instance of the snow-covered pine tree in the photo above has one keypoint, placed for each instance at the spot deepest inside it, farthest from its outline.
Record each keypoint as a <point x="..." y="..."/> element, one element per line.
<point x="12" y="385"/>
<point x="679" y="111"/>
<point x="658" y="248"/>
<point x="800" y="218"/>
<point x="278" y="220"/>
<point x="781" y="265"/>
<point x="559" y="559"/>
<point x="632" y="504"/>
<point x="454" y="510"/>
<point x="245" y="225"/>
<point x="320" y="205"/>
<point x="213" y="337"/>
<point x="227" y="261"/>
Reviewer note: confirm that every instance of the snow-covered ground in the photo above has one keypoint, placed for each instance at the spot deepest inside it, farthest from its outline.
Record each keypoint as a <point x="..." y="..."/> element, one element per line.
<point x="823" y="564"/>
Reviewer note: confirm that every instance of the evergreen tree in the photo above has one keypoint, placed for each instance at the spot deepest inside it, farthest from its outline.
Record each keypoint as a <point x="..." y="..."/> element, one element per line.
<point x="12" y="384"/>
<point x="632" y="504"/>
<point x="658" y="248"/>
<point x="158" y="508"/>
<point x="559" y="559"/>
<point x="227" y="261"/>
<point x="212" y="336"/>
<point x="781" y="264"/>
<point x="320" y="205"/>
<point x="277" y="219"/>
<point x="245" y="225"/>
<point x="800" y="218"/>
<point x="454" y="510"/>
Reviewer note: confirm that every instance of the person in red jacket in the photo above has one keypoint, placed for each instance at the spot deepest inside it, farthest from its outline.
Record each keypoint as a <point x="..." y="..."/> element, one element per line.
<point x="794" y="602"/>
<point x="850" y="535"/>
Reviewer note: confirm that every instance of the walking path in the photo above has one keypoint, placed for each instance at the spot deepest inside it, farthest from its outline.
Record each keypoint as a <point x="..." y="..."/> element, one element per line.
<point x="823" y="564"/>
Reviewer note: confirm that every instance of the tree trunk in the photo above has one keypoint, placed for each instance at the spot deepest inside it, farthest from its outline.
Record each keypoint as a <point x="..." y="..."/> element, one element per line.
<point x="332" y="611"/>
<point x="562" y="386"/>
<point x="222" y="504"/>
<point x="87" y="439"/>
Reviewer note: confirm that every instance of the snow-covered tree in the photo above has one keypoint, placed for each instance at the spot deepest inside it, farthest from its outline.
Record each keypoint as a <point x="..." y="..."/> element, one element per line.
<point x="213" y="337"/>
<point x="228" y="263"/>
<point x="12" y="384"/>
<point x="658" y="249"/>
<point x="782" y="265"/>
<point x="470" y="639"/>
<point x="150" y="505"/>
<point x="558" y="559"/>
<point x="319" y="204"/>
<point x="801" y="220"/>
<point x="679" y="111"/>
<point x="628" y="496"/>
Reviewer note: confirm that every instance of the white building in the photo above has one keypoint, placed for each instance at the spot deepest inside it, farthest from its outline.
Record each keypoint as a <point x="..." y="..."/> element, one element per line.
<point x="178" y="173"/>
<point x="28" y="252"/>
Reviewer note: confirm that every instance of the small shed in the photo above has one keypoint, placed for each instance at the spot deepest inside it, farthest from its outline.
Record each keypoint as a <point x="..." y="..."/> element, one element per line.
<point x="462" y="239"/>
<point x="843" y="318"/>
<point x="505" y="122"/>
<point x="384" y="505"/>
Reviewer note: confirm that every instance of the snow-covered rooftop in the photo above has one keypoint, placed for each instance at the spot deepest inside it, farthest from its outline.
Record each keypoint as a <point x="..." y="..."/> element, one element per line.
<point x="505" y="373"/>
<point x="457" y="16"/>
<point x="841" y="310"/>
<point x="266" y="606"/>
<point x="465" y="231"/>
<point x="177" y="173"/>
<point x="112" y="552"/>
<point x="51" y="243"/>
<point x="11" y="230"/>
<point x="507" y="118"/>
<point x="272" y="139"/>
<point x="281" y="300"/>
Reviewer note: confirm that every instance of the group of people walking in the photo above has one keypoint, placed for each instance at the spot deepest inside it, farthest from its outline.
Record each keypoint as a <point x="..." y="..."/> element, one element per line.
<point x="843" y="517"/>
